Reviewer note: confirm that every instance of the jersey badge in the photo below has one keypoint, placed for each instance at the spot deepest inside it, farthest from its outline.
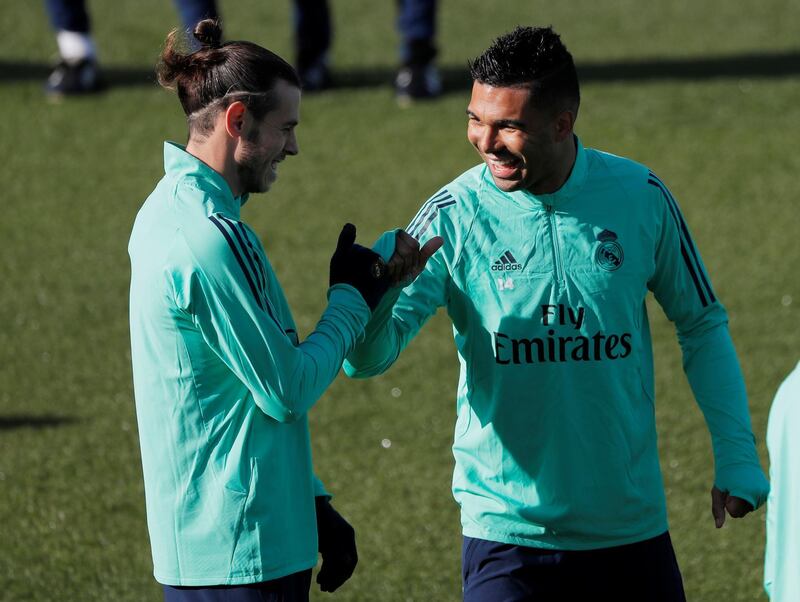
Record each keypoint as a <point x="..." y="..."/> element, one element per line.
<point x="609" y="255"/>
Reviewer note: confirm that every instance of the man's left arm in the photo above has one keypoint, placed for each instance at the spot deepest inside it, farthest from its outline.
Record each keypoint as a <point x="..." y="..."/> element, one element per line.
<point x="682" y="287"/>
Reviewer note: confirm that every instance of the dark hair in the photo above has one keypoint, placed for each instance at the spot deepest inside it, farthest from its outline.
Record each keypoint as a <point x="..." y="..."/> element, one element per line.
<point x="532" y="57"/>
<point x="219" y="74"/>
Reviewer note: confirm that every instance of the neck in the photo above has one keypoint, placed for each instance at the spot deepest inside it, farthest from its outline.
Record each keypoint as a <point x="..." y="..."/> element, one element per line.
<point x="214" y="151"/>
<point x="562" y="168"/>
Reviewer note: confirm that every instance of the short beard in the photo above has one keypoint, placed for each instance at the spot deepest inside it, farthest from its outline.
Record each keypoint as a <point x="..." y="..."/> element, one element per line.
<point x="249" y="167"/>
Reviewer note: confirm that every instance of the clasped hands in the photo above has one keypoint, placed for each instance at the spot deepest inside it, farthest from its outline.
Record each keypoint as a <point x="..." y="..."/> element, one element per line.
<point x="366" y="271"/>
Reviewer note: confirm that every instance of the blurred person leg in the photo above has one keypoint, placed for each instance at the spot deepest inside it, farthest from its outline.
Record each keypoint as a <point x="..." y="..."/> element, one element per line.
<point x="313" y="35"/>
<point x="418" y="77"/>
<point x="76" y="71"/>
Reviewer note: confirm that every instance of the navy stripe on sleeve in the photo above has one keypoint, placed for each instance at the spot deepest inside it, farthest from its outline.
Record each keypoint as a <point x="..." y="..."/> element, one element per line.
<point x="684" y="253"/>
<point x="262" y="273"/>
<point x="686" y="234"/>
<point x="432" y="216"/>
<point x="426" y="208"/>
<point x="238" y="257"/>
<point x="254" y="261"/>
<point x="693" y="275"/>
<point x="257" y="276"/>
<point x="246" y="232"/>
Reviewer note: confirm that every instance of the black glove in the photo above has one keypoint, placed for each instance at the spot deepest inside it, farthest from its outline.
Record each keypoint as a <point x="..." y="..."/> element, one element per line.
<point x="359" y="267"/>
<point x="337" y="544"/>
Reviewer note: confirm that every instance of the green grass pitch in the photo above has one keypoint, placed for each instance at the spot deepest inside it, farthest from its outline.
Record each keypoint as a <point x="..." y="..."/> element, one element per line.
<point x="705" y="93"/>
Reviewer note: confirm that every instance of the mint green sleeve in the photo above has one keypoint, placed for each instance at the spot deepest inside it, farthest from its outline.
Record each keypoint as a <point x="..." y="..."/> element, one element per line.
<point x="782" y="549"/>
<point x="401" y="313"/>
<point x="683" y="289"/>
<point x="285" y="379"/>
<point x="319" y="488"/>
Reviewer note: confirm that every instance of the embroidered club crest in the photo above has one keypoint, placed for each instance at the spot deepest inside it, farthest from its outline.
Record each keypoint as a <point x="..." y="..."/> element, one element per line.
<point x="609" y="255"/>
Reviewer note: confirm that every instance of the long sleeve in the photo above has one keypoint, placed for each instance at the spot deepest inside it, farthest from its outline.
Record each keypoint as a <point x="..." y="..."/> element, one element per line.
<point x="319" y="488"/>
<point x="782" y="550"/>
<point x="682" y="287"/>
<point x="399" y="316"/>
<point x="226" y="294"/>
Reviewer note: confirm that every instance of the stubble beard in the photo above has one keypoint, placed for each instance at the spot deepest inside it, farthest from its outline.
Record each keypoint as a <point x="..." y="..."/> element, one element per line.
<point x="252" y="170"/>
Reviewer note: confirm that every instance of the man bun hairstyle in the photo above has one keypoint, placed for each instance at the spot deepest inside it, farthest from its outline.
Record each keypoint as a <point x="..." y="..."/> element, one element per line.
<point x="217" y="74"/>
<point x="534" y="58"/>
<point x="209" y="33"/>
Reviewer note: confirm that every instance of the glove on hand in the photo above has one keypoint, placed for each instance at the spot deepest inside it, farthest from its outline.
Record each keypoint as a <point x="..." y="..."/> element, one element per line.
<point x="337" y="544"/>
<point x="359" y="267"/>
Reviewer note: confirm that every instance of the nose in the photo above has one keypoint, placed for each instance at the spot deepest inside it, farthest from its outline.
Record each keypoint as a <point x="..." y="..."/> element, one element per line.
<point x="291" y="147"/>
<point x="486" y="139"/>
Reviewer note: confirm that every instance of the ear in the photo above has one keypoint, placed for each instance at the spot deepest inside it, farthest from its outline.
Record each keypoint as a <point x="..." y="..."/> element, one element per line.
<point x="565" y="123"/>
<point x="235" y="119"/>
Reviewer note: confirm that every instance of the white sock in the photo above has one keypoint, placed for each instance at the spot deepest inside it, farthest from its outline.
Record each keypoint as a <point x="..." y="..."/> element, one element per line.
<point x="74" y="46"/>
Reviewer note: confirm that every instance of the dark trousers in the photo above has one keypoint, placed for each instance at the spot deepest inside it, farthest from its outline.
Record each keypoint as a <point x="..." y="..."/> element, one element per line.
<point x="292" y="588"/>
<point x="416" y="22"/>
<point x="194" y="11"/>
<point x="498" y="572"/>
<point x="312" y="32"/>
<point x="312" y="25"/>
<point x="69" y="15"/>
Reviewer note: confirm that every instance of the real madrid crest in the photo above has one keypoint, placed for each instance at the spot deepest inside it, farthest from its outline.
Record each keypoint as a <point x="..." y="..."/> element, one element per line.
<point x="609" y="255"/>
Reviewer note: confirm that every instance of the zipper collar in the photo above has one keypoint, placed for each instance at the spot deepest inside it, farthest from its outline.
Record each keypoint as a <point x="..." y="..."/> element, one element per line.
<point x="180" y="164"/>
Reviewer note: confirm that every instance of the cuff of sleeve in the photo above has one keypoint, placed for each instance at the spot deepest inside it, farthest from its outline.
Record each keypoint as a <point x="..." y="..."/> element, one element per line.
<point x="384" y="246"/>
<point x="346" y="294"/>
<point x="744" y="481"/>
<point x="386" y="304"/>
<point x="319" y="489"/>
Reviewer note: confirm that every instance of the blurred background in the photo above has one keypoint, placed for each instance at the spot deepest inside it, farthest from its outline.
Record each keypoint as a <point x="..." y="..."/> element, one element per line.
<point x="705" y="93"/>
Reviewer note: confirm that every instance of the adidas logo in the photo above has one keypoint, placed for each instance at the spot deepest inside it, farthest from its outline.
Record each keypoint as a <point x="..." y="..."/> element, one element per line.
<point x="506" y="263"/>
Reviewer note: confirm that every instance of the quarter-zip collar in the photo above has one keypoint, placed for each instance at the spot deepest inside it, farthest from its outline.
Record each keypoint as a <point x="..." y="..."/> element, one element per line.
<point x="180" y="164"/>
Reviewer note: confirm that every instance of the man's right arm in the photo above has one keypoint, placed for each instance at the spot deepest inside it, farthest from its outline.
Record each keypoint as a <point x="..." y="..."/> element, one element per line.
<point x="401" y="313"/>
<point x="226" y="295"/>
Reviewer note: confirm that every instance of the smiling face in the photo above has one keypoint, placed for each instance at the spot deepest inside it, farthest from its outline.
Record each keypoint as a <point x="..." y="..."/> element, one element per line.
<point x="267" y="142"/>
<point x="523" y="147"/>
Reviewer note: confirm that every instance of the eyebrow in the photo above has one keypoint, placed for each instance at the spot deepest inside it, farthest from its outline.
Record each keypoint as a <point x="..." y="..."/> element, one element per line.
<point x="501" y="122"/>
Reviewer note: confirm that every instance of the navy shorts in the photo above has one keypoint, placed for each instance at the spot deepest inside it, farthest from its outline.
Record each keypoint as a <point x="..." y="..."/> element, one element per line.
<point x="499" y="572"/>
<point x="292" y="588"/>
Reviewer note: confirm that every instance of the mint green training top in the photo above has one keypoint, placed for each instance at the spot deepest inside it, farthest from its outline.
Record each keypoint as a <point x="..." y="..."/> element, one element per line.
<point x="555" y="440"/>
<point x="782" y="557"/>
<point x="222" y="387"/>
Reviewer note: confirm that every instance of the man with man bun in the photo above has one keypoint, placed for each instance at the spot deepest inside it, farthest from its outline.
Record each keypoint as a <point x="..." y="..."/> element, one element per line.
<point x="222" y="382"/>
<point x="549" y="252"/>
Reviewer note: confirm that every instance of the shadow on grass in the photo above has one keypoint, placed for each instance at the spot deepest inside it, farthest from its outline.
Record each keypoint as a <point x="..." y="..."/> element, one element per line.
<point x="456" y="78"/>
<point x="20" y="421"/>
<point x="115" y="76"/>
<point x="771" y="64"/>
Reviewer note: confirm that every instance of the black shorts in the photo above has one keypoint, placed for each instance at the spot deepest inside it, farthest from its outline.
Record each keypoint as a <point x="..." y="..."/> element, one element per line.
<point x="292" y="588"/>
<point x="637" y="572"/>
